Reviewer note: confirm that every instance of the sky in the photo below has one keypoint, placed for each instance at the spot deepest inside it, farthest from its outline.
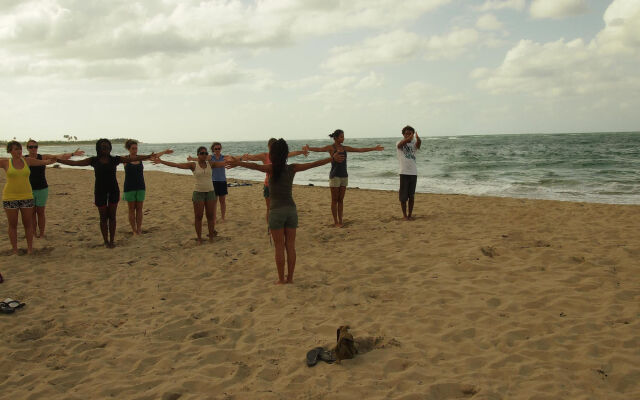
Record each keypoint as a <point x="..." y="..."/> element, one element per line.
<point x="201" y="70"/>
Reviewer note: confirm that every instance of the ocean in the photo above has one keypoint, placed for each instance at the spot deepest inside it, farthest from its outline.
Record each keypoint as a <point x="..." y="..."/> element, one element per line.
<point x="588" y="167"/>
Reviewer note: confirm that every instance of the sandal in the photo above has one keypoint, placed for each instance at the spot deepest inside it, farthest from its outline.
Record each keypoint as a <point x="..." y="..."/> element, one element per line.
<point x="5" y="308"/>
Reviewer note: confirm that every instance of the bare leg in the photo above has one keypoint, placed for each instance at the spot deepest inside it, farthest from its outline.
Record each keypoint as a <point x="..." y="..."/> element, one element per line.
<point x="223" y="207"/>
<point x="268" y="201"/>
<point x="290" y="245"/>
<point x="132" y="216"/>
<point x="410" y="208"/>
<point x="104" y="216"/>
<point x="335" y="195"/>
<point x="343" y="191"/>
<point x="278" y="241"/>
<point x="12" y="218"/>
<point x="139" y="216"/>
<point x="112" y="209"/>
<point x="210" y="209"/>
<point x="403" y="204"/>
<point x="198" y="210"/>
<point x="27" y="222"/>
<point x="39" y="221"/>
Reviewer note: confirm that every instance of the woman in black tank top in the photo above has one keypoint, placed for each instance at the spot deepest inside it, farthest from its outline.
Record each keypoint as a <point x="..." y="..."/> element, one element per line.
<point x="38" y="182"/>
<point x="338" y="177"/>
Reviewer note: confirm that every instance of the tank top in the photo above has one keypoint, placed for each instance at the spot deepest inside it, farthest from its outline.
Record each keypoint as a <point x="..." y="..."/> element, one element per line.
<point x="339" y="170"/>
<point x="17" y="186"/>
<point x="37" y="178"/>
<point x="105" y="174"/>
<point x="280" y="191"/>
<point x="219" y="174"/>
<point x="133" y="177"/>
<point x="267" y="161"/>
<point x="203" y="178"/>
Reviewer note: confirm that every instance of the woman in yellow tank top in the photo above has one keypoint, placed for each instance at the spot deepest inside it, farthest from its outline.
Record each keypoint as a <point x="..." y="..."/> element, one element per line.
<point x="17" y="194"/>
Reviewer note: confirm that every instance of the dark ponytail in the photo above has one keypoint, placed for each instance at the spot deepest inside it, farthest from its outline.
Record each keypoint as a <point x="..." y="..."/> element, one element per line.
<point x="278" y="154"/>
<point x="336" y="134"/>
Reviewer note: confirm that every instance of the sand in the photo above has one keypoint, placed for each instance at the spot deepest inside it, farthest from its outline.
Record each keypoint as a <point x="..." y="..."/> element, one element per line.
<point x="478" y="298"/>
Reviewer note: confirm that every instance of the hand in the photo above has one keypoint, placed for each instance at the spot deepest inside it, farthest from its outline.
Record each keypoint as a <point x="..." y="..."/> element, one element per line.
<point x="189" y="158"/>
<point x="338" y="157"/>
<point x="78" y="152"/>
<point x="417" y="137"/>
<point x="379" y="148"/>
<point x="231" y="162"/>
<point x="245" y="157"/>
<point x="167" y="151"/>
<point x="156" y="160"/>
<point x="305" y="150"/>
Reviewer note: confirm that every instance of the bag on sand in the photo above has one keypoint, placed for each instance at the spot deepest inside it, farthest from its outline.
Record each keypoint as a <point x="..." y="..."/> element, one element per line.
<point x="345" y="347"/>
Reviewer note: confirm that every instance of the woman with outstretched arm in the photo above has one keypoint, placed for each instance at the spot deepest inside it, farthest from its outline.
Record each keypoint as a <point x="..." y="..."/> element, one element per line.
<point x="204" y="197"/>
<point x="264" y="158"/>
<point x="39" y="184"/>
<point x="283" y="216"/>
<point x="106" y="191"/>
<point x="338" y="177"/>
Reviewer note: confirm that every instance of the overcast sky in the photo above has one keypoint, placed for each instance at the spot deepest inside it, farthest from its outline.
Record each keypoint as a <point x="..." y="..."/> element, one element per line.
<point x="199" y="70"/>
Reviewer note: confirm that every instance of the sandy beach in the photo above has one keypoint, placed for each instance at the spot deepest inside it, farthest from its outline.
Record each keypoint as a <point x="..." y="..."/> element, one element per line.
<point x="478" y="298"/>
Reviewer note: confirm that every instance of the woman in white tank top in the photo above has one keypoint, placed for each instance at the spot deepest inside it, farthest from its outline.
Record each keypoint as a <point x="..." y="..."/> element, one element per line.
<point x="204" y="198"/>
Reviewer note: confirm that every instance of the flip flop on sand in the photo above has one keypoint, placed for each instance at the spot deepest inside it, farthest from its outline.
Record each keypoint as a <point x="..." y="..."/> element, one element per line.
<point x="319" y="353"/>
<point x="5" y="308"/>
<point x="13" y="303"/>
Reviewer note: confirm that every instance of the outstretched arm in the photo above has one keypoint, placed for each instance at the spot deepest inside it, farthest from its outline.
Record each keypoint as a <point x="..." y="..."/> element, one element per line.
<point x="35" y="162"/>
<point x="128" y="159"/>
<point x="78" y="163"/>
<point x="363" y="149"/>
<point x="217" y="164"/>
<point x="305" y="166"/>
<point x="298" y="152"/>
<point x="64" y="156"/>
<point x="319" y="149"/>
<point x="258" y="167"/>
<point x="187" y="165"/>
<point x="254" y="157"/>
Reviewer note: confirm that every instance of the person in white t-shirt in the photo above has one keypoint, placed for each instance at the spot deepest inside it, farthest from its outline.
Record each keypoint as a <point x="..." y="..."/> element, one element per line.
<point x="406" y="150"/>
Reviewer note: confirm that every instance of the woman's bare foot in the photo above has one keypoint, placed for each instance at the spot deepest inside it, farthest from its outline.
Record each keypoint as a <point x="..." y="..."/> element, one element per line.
<point x="279" y="282"/>
<point x="111" y="245"/>
<point x="338" y="225"/>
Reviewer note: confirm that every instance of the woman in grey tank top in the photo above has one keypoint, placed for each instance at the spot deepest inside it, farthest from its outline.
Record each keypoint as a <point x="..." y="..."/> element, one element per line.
<point x="283" y="216"/>
<point x="338" y="177"/>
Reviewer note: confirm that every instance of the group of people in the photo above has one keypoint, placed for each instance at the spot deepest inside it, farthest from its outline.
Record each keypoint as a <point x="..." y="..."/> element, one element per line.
<point x="25" y="191"/>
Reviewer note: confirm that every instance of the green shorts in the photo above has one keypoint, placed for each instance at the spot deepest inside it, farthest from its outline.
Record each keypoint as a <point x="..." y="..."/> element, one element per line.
<point x="133" y="195"/>
<point x="40" y="197"/>
<point x="285" y="217"/>
<point x="339" y="181"/>
<point x="203" y="196"/>
<point x="265" y="191"/>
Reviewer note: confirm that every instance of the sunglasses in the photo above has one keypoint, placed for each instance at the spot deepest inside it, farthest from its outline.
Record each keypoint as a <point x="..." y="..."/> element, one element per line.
<point x="203" y="153"/>
<point x="32" y="147"/>
<point x="217" y="148"/>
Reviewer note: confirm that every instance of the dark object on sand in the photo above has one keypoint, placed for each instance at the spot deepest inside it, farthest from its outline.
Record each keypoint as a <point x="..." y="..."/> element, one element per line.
<point x="1" y="278"/>
<point x="345" y="346"/>
<point x="319" y="353"/>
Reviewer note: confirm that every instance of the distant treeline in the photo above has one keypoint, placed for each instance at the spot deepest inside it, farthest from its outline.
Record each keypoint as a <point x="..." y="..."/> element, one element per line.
<point x="67" y="142"/>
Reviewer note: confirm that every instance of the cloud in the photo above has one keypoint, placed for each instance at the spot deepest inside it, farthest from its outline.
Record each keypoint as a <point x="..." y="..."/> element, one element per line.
<point x="397" y="47"/>
<point x="490" y="5"/>
<point x="606" y="64"/>
<point x="557" y="8"/>
<point x="488" y="22"/>
<point x="420" y="93"/>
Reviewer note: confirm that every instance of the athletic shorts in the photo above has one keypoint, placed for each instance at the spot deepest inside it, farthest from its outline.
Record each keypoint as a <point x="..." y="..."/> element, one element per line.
<point x="285" y="217"/>
<point x="133" y="195"/>
<point x="338" y="181"/>
<point x="40" y="197"/>
<point x="407" y="187"/>
<point x="265" y="191"/>
<point x="220" y="187"/>
<point x="16" y="204"/>
<point x="203" y="196"/>
<point x="105" y="198"/>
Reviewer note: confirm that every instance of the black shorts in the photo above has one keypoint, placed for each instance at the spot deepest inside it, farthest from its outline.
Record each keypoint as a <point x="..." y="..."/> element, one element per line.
<point x="103" y="198"/>
<point x="407" y="187"/>
<point x="220" y="187"/>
